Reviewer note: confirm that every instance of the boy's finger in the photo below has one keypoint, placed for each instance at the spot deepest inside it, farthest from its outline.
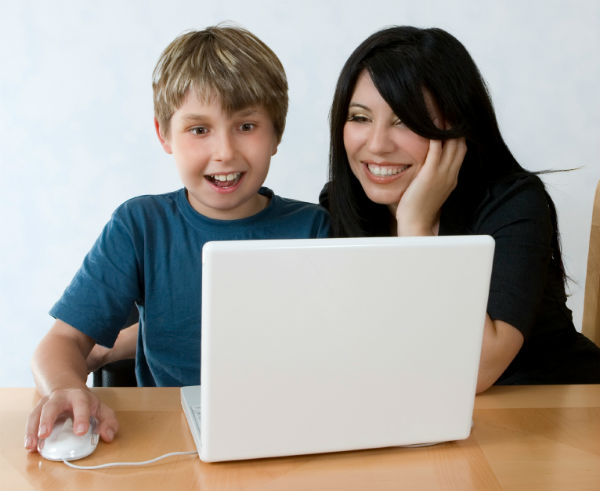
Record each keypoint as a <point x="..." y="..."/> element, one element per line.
<point x="108" y="424"/>
<point x="48" y="415"/>
<point x="81" y="414"/>
<point x="31" y="428"/>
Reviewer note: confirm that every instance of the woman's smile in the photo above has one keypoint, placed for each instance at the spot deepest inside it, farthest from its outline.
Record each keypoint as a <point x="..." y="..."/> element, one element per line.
<point x="385" y="171"/>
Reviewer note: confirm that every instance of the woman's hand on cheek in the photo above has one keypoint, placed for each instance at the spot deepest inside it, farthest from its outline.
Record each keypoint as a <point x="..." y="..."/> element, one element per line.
<point x="419" y="208"/>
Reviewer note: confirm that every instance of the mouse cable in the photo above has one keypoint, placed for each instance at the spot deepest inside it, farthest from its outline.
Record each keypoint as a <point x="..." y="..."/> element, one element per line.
<point x="127" y="464"/>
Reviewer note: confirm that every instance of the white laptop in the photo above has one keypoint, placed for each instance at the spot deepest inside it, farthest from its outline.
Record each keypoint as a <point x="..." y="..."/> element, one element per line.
<point x="325" y="345"/>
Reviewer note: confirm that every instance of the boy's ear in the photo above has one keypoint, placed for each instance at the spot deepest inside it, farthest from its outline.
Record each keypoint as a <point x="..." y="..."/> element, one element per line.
<point x="163" y="140"/>
<point x="275" y="146"/>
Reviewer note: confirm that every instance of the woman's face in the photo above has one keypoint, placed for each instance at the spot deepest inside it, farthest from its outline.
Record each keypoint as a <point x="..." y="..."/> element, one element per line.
<point x="384" y="154"/>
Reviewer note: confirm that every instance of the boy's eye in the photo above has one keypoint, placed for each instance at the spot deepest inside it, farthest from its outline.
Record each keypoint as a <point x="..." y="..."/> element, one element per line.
<point x="247" y="126"/>
<point x="198" y="130"/>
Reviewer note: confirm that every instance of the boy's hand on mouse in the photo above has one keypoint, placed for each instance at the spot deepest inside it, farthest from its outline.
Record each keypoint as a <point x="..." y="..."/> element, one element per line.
<point x="420" y="205"/>
<point x="82" y="403"/>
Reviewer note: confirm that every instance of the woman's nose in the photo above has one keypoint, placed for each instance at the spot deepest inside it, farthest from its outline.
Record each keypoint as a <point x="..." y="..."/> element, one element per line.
<point x="379" y="140"/>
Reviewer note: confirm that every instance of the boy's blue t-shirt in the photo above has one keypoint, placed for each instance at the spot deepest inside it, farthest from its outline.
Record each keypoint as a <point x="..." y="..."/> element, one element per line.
<point x="149" y="255"/>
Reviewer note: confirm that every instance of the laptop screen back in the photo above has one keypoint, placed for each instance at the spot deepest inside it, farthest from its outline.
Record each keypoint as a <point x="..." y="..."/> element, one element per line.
<point x="338" y="344"/>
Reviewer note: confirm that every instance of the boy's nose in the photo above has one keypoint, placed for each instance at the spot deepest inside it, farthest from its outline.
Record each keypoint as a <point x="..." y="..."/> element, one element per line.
<point x="379" y="140"/>
<point x="223" y="149"/>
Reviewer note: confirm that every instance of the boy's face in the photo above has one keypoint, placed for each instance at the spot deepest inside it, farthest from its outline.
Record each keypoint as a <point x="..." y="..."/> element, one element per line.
<point x="223" y="159"/>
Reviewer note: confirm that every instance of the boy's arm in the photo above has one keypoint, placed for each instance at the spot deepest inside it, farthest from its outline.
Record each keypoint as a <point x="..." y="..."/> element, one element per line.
<point x="124" y="348"/>
<point x="60" y="372"/>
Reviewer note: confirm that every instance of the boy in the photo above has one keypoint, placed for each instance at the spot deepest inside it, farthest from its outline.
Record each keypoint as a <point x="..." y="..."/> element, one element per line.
<point x="220" y="102"/>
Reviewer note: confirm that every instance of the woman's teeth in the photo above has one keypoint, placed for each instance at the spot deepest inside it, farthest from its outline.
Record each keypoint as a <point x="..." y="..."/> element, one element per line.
<point x="386" y="170"/>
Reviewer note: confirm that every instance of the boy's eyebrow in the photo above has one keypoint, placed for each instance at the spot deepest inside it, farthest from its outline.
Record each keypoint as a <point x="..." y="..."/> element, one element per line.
<point x="246" y="112"/>
<point x="199" y="117"/>
<point x="193" y="117"/>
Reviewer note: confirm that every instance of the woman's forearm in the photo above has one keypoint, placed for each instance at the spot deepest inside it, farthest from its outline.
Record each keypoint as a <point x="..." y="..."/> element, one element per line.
<point x="501" y="343"/>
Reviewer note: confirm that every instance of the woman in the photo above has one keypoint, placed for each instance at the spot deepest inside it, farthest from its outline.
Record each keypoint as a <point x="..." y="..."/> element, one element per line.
<point x="416" y="150"/>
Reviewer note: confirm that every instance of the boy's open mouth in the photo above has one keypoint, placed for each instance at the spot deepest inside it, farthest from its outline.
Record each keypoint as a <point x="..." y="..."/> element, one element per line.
<point x="224" y="180"/>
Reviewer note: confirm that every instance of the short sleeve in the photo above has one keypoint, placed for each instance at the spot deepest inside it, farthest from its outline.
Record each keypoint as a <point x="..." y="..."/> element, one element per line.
<point x="322" y="224"/>
<point x="518" y="218"/>
<point x="102" y="295"/>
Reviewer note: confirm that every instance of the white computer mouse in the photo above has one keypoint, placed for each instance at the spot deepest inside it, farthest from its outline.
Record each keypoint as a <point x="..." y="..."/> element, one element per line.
<point x="63" y="444"/>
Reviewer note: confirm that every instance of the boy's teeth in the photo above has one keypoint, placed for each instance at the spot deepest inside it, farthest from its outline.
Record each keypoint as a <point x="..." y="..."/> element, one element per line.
<point x="227" y="177"/>
<point x="385" y="170"/>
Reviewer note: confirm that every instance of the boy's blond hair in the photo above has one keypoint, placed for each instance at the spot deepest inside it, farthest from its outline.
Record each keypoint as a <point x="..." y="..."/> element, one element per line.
<point x="226" y="62"/>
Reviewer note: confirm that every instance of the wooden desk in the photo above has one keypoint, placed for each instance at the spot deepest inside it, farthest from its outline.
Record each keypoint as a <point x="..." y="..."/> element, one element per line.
<point x="536" y="437"/>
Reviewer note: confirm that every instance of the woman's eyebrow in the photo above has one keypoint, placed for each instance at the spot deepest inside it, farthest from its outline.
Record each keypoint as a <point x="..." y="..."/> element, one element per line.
<point x="359" y="105"/>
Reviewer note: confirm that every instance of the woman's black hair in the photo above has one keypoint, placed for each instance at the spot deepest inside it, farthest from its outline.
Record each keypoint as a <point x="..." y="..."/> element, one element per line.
<point x="403" y="62"/>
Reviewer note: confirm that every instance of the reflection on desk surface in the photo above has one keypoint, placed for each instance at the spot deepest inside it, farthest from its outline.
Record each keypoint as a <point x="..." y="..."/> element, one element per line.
<point x="527" y="437"/>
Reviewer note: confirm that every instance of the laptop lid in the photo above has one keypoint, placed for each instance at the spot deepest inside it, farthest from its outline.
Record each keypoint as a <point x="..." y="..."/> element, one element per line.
<point x="323" y="345"/>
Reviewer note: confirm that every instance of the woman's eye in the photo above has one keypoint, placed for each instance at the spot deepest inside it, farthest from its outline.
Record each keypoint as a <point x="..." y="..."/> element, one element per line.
<point x="247" y="126"/>
<point x="398" y="122"/>
<point x="357" y="118"/>
<point x="199" y="130"/>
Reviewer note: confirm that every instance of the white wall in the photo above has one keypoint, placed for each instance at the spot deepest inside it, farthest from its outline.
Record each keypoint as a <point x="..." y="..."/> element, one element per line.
<point x="76" y="134"/>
